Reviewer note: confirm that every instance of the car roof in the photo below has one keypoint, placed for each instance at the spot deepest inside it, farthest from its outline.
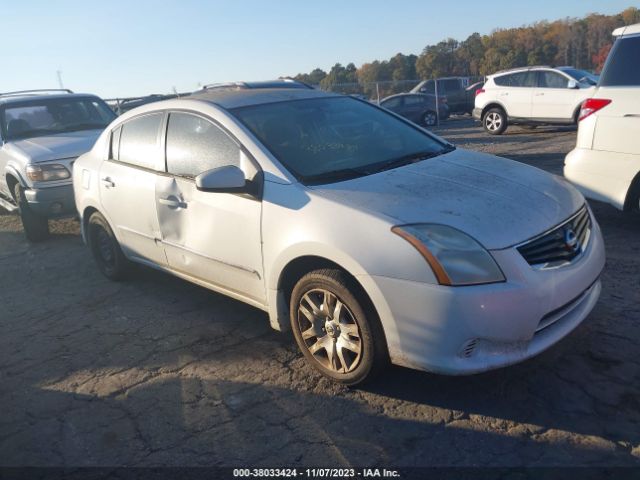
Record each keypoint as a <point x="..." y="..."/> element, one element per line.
<point x="523" y="69"/>
<point x="7" y="99"/>
<point x="229" y="98"/>
<point x="628" y="30"/>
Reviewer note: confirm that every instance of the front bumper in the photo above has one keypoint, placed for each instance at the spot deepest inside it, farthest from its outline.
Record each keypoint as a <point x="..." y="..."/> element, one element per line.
<point x="464" y="330"/>
<point x="52" y="202"/>
<point x="477" y="114"/>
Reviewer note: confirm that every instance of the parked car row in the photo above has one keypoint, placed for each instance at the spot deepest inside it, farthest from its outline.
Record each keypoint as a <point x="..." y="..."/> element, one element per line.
<point x="417" y="107"/>
<point x="369" y="237"/>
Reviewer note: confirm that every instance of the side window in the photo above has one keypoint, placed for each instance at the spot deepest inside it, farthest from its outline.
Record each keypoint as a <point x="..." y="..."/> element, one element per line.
<point x="452" y="85"/>
<point x="114" y="152"/>
<point x="552" y="80"/>
<point x="523" y="79"/>
<point x="622" y="68"/>
<point x="195" y="145"/>
<point x="429" y="87"/>
<point x="502" y="80"/>
<point x="392" y="103"/>
<point x="413" y="100"/>
<point x="139" y="141"/>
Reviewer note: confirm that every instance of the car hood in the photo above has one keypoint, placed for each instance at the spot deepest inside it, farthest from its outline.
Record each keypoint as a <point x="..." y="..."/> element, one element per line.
<point x="53" y="147"/>
<point x="499" y="202"/>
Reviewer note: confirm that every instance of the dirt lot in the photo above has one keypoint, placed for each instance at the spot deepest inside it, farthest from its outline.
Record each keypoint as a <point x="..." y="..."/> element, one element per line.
<point x="156" y="371"/>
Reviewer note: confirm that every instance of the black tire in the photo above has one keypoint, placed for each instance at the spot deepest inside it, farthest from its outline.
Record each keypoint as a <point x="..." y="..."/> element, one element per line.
<point x="36" y="227"/>
<point x="495" y="121"/>
<point x="429" y="118"/>
<point x="356" y="327"/>
<point x="106" y="249"/>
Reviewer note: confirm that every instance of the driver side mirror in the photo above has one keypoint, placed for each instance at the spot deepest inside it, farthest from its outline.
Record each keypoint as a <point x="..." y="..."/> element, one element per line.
<point x="573" y="84"/>
<point x="227" y="179"/>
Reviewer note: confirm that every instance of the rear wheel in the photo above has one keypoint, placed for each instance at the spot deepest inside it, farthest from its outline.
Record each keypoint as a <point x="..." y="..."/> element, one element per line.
<point x="430" y="118"/>
<point x="36" y="227"/>
<point x="336" y="332"/>
<point x="106" y="249"/>
<point x="495" y="121"/>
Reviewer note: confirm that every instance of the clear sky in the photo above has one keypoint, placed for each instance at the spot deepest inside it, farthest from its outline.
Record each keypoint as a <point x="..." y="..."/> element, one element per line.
<point x="135" y="47"/>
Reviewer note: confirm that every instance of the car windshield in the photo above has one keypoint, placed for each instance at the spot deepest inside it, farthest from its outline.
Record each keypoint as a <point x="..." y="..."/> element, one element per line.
<point x="50" y="116"/>
<point x="582" y="76"/>
<point x="324" y="140"/>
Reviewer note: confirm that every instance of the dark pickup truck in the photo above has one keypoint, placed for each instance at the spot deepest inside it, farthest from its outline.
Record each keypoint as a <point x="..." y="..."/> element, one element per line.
<point x="460" y="96"/>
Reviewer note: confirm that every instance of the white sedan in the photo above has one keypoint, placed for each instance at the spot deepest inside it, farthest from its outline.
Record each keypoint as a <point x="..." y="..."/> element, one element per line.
<point x="371" y="238"/>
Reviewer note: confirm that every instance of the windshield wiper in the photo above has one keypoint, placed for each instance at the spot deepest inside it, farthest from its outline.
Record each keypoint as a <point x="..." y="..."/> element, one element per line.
<point x="36" y="132"/>
<point x="408" y="159"/>
<point x="334" y="176"/>
<point x="84" y="126"/>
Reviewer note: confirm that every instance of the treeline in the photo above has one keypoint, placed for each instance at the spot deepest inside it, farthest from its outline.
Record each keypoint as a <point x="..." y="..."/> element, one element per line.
<point x="583" y="43"/>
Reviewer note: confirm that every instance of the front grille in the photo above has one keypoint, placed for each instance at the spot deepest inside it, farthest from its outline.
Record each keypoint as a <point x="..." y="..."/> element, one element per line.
<point x="561" y="245"/>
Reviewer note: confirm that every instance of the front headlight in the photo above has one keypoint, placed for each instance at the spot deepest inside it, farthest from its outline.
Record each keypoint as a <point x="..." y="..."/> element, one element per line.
<point x="454" y="257"/>
<point x="47" y="172"/>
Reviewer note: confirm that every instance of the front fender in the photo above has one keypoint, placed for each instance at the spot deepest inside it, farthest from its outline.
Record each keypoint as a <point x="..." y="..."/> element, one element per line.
<point x="14" y="171"/>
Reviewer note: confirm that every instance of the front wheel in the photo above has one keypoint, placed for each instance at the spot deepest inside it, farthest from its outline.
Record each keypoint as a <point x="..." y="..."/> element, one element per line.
<point x="36" y="227"/>
<point x="495" y="121"/>
<point x="430" y="119"/>
<point x="106" y="249"/>
<point x="337" y="334"/>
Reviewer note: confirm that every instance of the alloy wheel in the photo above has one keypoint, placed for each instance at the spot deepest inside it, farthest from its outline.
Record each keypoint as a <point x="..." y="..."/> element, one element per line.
<point x="329" y="331"/>
<point x="493" y="121"/>
<point x="430" y="119"/>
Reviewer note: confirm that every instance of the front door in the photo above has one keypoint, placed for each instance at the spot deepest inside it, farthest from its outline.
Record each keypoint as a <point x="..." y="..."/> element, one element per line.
<point x="214" y="237"/>
<point x="553" y="99"/>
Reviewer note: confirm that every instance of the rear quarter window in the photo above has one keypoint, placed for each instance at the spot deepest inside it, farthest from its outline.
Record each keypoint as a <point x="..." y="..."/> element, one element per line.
<point x="623" y="65"/>
<point x="139" y="141"/>
<point x="502" y="80"/>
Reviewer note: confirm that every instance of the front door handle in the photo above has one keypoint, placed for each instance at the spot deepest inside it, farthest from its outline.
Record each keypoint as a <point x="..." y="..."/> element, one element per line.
<point x="539" y="94"/>
<point x="107" y="182"/>
<point x="172" y="202"/>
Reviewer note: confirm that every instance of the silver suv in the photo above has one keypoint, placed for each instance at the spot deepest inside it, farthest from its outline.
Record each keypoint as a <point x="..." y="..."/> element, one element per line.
<point x="42" y="132"/>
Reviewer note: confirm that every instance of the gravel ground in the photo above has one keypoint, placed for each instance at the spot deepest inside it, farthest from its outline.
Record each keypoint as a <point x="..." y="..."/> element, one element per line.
<point x="156" y="371"/>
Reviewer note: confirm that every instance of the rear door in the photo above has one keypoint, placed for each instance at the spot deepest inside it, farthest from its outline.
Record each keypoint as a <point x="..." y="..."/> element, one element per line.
<point x="618" y="124"/>
<point x="213" y="237"/>
<point x="127" y="187"/>
<point x="515" y="91"/>
<point x="414" y="107"/>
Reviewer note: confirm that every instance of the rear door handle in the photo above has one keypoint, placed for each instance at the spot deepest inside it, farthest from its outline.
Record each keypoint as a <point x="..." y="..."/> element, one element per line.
<point x="539" y="94"/>
<point x="632" y="115"/>
<point x="107" y="182"/>
<point x="172" y="202"/>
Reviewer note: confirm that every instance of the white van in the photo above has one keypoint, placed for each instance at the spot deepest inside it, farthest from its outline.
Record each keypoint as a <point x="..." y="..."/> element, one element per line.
<point x="605" y="164"/>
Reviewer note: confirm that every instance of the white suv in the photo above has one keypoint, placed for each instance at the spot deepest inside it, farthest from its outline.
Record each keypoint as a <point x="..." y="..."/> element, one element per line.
<point x="605" y="164"/>
<point x="532" y="96"/>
